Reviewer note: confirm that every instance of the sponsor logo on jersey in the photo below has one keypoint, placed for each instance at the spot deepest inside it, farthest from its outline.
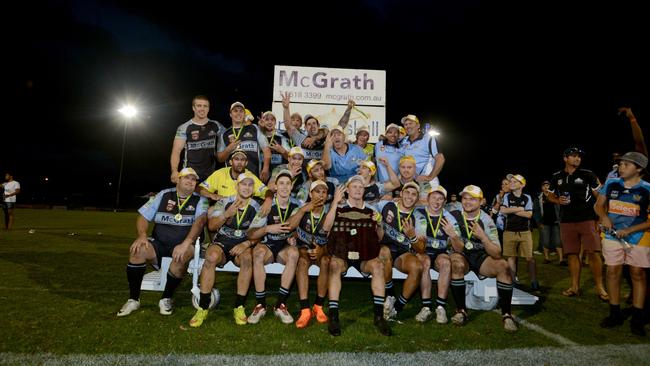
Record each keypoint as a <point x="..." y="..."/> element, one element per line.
<point x="199" y="145"/>
<point x="624" y="208"/>
<point x="614" y="194"/>
<point x="578" y="181"/>
<point x="390" y="217"/>
<point x="211" y="133"/>
<point x="248" y="135"/>
<point x="248" y="146"/>
<point x="195" y="135"/>
<point x="190" y="208"/>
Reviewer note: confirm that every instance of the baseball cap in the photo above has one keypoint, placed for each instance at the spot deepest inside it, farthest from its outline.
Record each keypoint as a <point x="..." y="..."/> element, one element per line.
<point x="412" y="117"/>
<point x="268" y="113"/>
<point x="407" y="158"/>
<point x="188" y="171"/>
<point x="363" y="129"/>
<point x="636" y="158"/>
<point x="237" y="151"/>
<point x="370" y="165"/>
<point x="573" y="150"/>
<point x="439" y="189"/>
<point x="312" y="163"/>
<point x="517" y="177"/>
<point x="248" y="116"/>
<point x="353" y="178"/>
<point x="411" y="185"/>
<point x="338" y="128"/>
<point x="392" y="125"/>
<point x="317" y="183"/>
<point x="546" y="182"/>
<point x="283" y="173"/>
<point x="473" y="191"/>
<point x="296" y="150"/>
<point x="237" y="104"/>
<point x="246" y="175"/>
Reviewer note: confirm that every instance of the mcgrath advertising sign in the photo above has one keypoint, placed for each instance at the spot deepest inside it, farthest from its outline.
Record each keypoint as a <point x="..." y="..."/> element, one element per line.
<point x="324" y="93"/>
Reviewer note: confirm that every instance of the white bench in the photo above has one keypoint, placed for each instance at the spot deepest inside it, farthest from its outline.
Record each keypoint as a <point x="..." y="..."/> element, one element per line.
<point x="481" y="293"/>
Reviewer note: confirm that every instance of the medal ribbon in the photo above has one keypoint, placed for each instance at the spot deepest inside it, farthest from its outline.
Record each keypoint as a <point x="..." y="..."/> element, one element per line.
<point x="277" y="205"/>
<point x="434" y="231"/>
<point x="313" y="227"/>
<point x="178" y="201"/>
<point x="240" y="219"/>
<point x="399" y="215"/>
<point x="467" y="230"/>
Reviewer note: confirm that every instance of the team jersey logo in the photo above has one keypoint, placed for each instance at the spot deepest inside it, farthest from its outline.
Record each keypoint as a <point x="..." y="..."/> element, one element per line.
<point x="211" y="133"/>
<point x="190" y="208"/>
<point x="390" y="217"/>
<point x="195" y="135"/>
<point x="614" y="194"/>
<point x="170" y="205"/>
<point x="248" y="135"/>
<point x="579" y="181"/>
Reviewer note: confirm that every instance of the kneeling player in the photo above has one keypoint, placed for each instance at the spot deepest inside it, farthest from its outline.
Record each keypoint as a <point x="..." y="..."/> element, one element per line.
<point x="179" y="216"/>
<point x="481" y="253"/>
<point x="232" y="218"/>
<point x="338" y="266"/>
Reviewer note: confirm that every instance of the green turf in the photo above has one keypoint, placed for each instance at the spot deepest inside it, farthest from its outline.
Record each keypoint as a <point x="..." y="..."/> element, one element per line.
<point x="60" y="292"/>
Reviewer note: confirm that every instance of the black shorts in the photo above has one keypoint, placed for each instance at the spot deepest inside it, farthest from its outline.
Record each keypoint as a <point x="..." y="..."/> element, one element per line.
<point x="475" y="259"/>
<point x="275" y="249"/>
<point x="8" y="205"/>
<point x="226" y="253"/>
<point x="394" y="254"/>
<point x="162" y="250"/>
<point x="434" y="253"/>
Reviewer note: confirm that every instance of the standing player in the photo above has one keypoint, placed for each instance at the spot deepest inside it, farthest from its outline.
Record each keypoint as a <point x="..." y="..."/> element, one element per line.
<point x="198" y="137"/>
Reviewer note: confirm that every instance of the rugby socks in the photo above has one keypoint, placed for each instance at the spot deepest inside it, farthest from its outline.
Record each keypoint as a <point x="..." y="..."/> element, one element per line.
<point x="334" y="309"/>
<point x="283" y="296"/>
<point x="378" y="306"/>
<point x="504" y="290"/>
<point x="426" y="302"/>
<point x="390" y="290"/>
<point x="401" y="302"/>
<point x="304" y="304"/>
<point x="260" y="296"/>
<point x="441" y="302"/>
<point x="615" y="311"/>
<point x="204" y="300"/>
<point x="240" y="300"/>
<point x="320" y="300"/>
<point x="171" y="285"/>
<point x="134" y="274"/>
<point x="458" y="292"/>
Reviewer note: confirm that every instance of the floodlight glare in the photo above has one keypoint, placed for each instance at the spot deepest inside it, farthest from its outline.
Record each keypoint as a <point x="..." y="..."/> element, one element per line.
<point x="128" y="111"/>
<point x="434" y="133"/>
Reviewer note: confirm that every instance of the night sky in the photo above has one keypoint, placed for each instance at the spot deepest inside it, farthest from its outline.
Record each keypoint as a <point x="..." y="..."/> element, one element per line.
<point x="487" y="73"/>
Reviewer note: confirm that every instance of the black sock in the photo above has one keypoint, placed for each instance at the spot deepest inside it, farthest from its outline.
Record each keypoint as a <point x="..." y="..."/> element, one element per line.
<point x="390" y="290"/>
<point x="134" y="274"/>
<point x="615" y="310"/>
<point x="283" y="295"/>
<point x="261" y="297"/>
<point x="441" y="302"/>
<point x="171" y="285"/>
<point x="204" y="300"/>
<point x="378" y="305"/>
<point x="458" y="293"/>
<point x="240" y="300"/>
<point x="637" y="315"/>
<point x="334" y="309"/>
<point x="401" y="302"/>
<point x="320" y="300"/>
<point x="304" y="304"/>
<point x="504" y="290"/>
<point x="426" y="303"/>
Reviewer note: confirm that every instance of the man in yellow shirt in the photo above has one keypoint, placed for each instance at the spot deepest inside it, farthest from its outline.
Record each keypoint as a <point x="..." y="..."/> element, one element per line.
<point x="223" y="182"/>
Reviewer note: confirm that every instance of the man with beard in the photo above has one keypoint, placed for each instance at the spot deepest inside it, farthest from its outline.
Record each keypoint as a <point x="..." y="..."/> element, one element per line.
<point x="223" y="182"/>
<point x="389" y="149"/>
<point x="424" y="149"/>
<point x="278" y="144"/>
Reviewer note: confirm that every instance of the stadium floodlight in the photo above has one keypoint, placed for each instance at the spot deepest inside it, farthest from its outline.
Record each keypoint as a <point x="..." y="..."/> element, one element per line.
<point x="128" y="111"/>
<point x="434" y="133"/>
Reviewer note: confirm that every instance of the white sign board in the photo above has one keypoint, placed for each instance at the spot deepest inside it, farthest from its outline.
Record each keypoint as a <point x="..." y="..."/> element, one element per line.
<point x="324" y="93"/>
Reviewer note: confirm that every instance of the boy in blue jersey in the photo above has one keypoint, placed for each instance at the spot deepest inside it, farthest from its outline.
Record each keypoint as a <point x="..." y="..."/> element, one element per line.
<point x="622" y="207"/>
<point x="178" y="215"/>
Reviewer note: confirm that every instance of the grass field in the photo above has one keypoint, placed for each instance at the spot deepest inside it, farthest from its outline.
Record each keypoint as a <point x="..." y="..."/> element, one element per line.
<point x="60" y="292"/>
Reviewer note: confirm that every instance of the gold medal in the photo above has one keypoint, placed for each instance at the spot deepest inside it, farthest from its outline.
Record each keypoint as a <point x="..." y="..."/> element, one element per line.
<point x="237" y="233"/>
<point x="400" y="238"/>
<point x="178" y="217"/>
<point x="469" y="245"/>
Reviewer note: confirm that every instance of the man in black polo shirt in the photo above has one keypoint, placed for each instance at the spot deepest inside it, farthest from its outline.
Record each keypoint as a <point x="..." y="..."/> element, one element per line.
<point x="575" y="190"/>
